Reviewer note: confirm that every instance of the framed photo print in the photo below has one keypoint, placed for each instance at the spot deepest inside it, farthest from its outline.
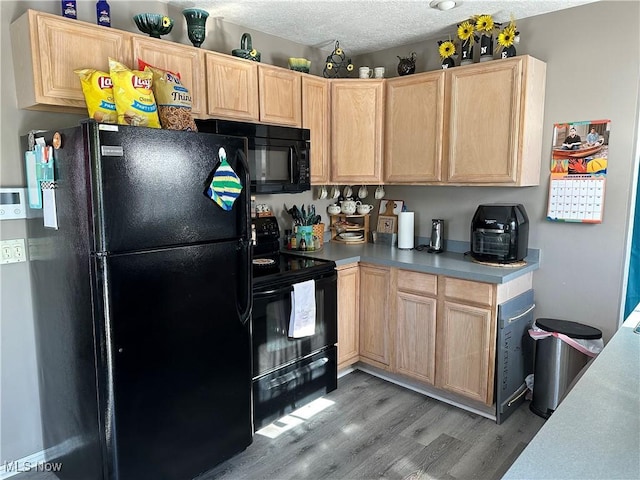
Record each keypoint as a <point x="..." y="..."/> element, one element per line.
<point x="387" y="224"/>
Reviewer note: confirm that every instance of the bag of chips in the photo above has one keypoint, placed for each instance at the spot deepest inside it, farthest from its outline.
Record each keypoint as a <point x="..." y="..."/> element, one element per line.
<point x="173" y="98"/>
<point x="98" y="95"/>
<point x="135" y="103"/>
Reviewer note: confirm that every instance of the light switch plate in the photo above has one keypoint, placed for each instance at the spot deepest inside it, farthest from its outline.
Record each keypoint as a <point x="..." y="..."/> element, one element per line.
<point x="12" y="251"/>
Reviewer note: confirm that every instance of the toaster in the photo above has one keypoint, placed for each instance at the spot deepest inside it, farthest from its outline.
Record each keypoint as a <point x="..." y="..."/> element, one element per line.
<point x="500" y="233"/>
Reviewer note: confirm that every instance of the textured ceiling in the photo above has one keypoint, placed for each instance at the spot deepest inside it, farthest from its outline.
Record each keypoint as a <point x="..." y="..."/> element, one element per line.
<point x="365" y="26"/>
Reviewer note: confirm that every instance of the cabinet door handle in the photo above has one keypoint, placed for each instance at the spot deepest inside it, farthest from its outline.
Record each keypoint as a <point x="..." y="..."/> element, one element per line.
<point x="513" y="319"/>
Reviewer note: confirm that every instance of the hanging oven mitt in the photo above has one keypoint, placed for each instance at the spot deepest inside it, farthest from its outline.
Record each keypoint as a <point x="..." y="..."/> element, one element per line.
<point x="225" y="186"/>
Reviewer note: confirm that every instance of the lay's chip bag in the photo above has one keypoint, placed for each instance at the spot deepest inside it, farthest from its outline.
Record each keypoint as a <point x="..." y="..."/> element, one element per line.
<point x="98" y="95"/>
<point x="135" y="103"/>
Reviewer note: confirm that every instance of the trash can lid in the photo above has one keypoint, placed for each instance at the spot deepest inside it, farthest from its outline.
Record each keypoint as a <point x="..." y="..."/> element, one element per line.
<point x="570" y="329"/>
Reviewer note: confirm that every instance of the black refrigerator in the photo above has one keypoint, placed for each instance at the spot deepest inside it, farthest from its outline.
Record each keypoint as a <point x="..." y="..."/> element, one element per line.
<point x="142" y="297"/>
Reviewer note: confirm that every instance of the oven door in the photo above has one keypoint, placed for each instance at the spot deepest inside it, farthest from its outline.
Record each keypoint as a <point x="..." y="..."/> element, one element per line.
<point x="272" y="347"/>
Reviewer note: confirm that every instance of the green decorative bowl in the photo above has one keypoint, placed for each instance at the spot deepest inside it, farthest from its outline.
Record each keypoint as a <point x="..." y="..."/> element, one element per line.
<point x="153" y="24"/>
<point x="299" y="64"/>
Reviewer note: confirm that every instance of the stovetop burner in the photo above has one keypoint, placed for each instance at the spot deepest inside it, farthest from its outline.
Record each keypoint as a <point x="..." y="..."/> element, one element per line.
<point x="263" y="262"/>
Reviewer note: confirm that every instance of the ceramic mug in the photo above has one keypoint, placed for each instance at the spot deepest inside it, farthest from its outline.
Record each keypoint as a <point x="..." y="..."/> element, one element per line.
<point x="378" y="72"/>
<point x="334" y="209"/>
<point x="379" y="192"/>
<point x="347" y="192"/>
<point x="363" y="192"/>
<point x="335" y="192"/>
<point x="322" y="192"/>
<point x="364" y="208"/>
<point x="365" y="72"/>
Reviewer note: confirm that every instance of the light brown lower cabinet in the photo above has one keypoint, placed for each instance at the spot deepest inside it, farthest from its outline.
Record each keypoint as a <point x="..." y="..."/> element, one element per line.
<point x="416" y="307"/>
<point x="348" y="314"/>
<point x="375" y="316"/>
<point x="437" y="330"/>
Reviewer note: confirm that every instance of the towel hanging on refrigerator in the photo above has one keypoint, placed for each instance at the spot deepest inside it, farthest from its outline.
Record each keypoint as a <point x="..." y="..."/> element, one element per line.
<point x="303" y="310"/>
<point x="225" y="185"/>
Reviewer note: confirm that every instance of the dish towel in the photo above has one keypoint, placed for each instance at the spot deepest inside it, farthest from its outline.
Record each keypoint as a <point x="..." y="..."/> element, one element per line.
<point x="303" y="310"/>
<point x="225" y="186"/>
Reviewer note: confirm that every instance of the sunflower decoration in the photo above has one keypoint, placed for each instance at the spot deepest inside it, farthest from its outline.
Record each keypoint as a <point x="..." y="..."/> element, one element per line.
<point x="337" y="64"/>
<point x="465" y="31"/>
<point x="446" y="49"/>
<point x="484" y="24"/>
<point x="506" y="38"/>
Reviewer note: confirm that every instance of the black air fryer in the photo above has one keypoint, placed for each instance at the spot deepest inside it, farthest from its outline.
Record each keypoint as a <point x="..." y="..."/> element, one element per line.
<point x="500" y="233"/>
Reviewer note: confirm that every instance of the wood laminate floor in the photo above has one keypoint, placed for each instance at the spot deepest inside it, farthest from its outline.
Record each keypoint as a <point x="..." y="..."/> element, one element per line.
<point x="373" y="429"/>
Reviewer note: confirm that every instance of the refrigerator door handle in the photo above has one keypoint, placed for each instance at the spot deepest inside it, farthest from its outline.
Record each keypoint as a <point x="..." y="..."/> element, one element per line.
<point x="245" y="310"/>
<point x="246" y="245"/>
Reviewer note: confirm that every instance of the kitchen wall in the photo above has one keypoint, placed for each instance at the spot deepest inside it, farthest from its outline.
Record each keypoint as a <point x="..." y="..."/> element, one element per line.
<point x="593" y="59"/>
<point x="20" y="431"/>
<point x="592" y="55"/>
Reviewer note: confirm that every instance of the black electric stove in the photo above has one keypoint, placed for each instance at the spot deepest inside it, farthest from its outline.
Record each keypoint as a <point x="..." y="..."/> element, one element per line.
<point x="289" y="371"/>
<point x="270" y="266"/>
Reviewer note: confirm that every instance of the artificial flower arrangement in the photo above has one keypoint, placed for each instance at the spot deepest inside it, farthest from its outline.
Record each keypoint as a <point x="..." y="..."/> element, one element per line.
<point x="482" y="29"/>
<point x="506" y="38"/>
<point x="447" y="49"/>
<point x="467" y="37"/>
<point x="485" y="27"/>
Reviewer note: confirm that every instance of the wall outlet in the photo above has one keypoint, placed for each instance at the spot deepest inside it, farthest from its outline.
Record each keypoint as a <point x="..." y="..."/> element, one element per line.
<point x="12" y="251"/>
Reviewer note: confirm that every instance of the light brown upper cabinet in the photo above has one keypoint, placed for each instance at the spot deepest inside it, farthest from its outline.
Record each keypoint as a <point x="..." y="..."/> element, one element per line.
<point x="232" y="87"/>
<point x="185" y="60"/>
<point x="46" y="51"/>
<point x="280" y="96"/>
<point x="315" y="116"/>
<point x="493" y="122"/>
<point x="357" y="118"/>
<point x="414" y="128"/>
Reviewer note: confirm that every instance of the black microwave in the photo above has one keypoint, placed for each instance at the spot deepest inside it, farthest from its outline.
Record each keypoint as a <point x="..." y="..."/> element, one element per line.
<point x="278" y="157"/>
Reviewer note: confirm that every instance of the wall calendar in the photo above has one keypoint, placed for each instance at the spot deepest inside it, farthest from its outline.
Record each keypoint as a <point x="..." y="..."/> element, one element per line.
<point x="578" y="171"/>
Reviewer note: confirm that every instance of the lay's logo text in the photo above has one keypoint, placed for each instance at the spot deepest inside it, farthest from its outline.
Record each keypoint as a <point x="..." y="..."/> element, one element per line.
<point x="105" y="82"/>
<point x="138" y="82"/>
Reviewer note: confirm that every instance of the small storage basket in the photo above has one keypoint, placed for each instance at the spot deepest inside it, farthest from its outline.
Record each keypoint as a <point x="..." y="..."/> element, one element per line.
<point x="318" y="231"/>
<point x="246" y="49"/>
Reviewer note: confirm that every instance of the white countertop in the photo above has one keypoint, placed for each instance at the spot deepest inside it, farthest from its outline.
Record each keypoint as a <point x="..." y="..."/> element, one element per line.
<point x="595" y="431"/>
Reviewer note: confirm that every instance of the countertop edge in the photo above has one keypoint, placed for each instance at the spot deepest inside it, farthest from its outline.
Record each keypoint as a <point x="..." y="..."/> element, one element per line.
<point x="450" y="263"/>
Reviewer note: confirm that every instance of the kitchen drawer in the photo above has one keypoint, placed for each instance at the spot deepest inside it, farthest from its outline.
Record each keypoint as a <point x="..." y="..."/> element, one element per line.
<point x="416" y="282"/>
<point x="468" y="291"/>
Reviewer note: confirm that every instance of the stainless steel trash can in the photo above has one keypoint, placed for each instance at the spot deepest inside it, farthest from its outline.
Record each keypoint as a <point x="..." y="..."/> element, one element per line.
<point x="557" y="363"/>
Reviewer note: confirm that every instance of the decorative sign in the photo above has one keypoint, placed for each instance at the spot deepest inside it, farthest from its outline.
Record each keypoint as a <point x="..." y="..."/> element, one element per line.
<point x="578" y="171"/>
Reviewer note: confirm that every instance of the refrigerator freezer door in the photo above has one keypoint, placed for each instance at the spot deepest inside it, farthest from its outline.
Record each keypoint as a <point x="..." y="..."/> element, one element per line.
<point x="181" y="394"/>
<point x="149" y="184"/>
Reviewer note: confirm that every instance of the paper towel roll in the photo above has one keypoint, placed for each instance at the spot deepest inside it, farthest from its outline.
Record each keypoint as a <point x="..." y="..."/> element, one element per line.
<point x="405" y="230"/>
